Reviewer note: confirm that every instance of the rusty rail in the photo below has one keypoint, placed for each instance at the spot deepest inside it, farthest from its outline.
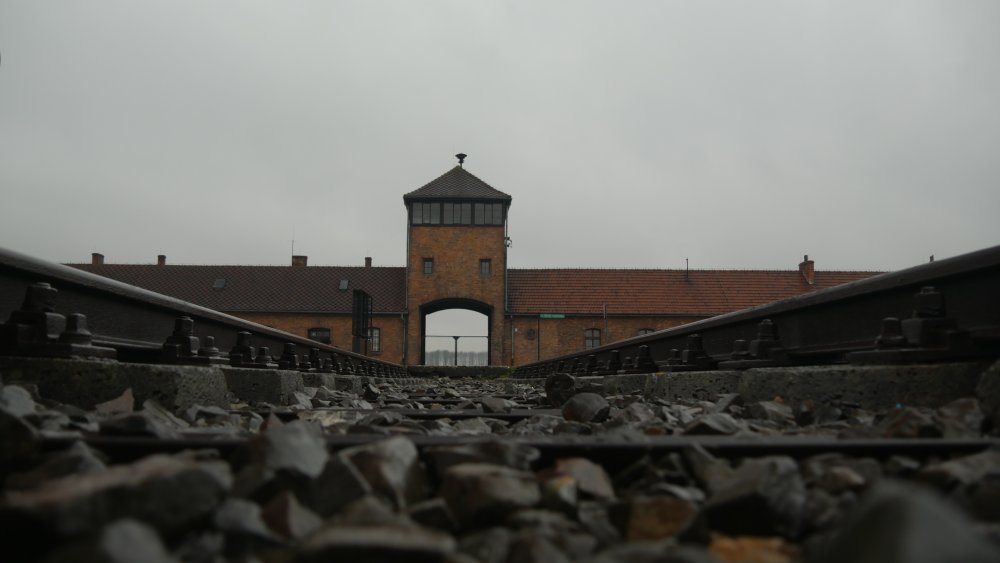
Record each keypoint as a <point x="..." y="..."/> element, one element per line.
<point x="137" y="323"/>
<point x="944" y="310"/>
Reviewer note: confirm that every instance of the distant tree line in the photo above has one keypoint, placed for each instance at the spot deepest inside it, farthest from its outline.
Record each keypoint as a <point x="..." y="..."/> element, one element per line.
<point x="447" y="358"/>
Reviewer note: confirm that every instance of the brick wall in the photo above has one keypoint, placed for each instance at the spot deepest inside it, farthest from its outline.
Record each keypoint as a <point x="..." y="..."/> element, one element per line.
<point x="558" y="337"/>
<point x="456" y="251"/>
<point x="391" y="327"/>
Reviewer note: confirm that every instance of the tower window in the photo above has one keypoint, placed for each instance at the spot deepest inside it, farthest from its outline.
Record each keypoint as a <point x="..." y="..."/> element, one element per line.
<point x="426" y="214"/>
<point x="374" y="339"/>
<point x="428" y="266"/>
<point x="485" y="267"/>
<point x="488" y="214"/>
<point x="319" y="334"/>
<point x="591" y="338"/>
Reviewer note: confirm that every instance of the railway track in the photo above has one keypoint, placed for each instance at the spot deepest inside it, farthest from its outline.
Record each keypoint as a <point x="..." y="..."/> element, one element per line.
<point x="779" y="433"/>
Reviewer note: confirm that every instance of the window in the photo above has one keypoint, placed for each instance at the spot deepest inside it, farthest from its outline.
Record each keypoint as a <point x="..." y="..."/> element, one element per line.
<point x="319" y="334"/>
<point x="219" y="283"/>
<point x="428" y="266"/>
<point x="591" y="338"/>
<point x="466" y="213"/>
<point x="480" y="216"/>
<point x="426" y="214"/>
<point x="646" y="331"/>
<point x="485" y="266"/>
<point x="374" y="339"/>
<point x="449" y="213"/>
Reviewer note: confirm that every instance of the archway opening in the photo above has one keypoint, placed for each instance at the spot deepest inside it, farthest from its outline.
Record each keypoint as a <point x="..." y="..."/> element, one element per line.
<point x="456" y="335"/>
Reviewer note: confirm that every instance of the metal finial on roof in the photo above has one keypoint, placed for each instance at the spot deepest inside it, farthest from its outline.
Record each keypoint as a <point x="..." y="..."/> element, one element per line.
<point x="461" y="158"/>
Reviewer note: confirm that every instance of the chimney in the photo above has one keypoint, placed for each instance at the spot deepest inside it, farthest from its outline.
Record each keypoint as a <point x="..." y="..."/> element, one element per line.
<point x="299" y="261"/>
<point x="807" y="269"/>
<point x="161" y="260"/>
<point x="96" y="258"/>
<point x="368" y="261"/>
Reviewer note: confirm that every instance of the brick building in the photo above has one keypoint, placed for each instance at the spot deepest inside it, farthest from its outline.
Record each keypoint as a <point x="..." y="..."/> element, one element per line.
<point x="456" y="258"/>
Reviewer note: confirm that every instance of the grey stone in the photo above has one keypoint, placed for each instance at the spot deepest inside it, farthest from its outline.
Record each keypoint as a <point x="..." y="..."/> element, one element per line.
<point x="139" y="424"/>
<point x="960" y="471"/>
<point x="392" y="468"/>
<point x="594" y="518"/>
<point x="480" y="493"/>
<point x="911" y="422"/>
<point x="472" y="426"/>
<point x="170" y="493"/>
<point x="897" y="524"/>
<point x="586" y="407"/>
<point x="560" y="493"/>
<point x="636" y="412"/>
<point x="981" y="498"/>
<point x="296" y="447"/>
<point x="122" y="541"/>
<point x="491" y="545"/>
<point x="21" y="441"/>
<point x="16" y="400"/>
<point x="433" y="513"/>
<point x="78" y="459"/>
<point x="337" y="485"/>
<point x="370" y="510"/>
<point x="530" y="547"/>
<point x="240" y="520"/>
<point x="122" y="404"/>
<point x="961" y="418"/>
<point x="496" y="405"/>
<point x="287" y="518"/>
<point x="765" y="496"/>
<point x="591" y="479"/>
<point x="711" y="424"/>
<point x="511" y="454"/>
<point x="375" y="544"/>
<point x="708" y="470"/>
<point x="770" y="410"/>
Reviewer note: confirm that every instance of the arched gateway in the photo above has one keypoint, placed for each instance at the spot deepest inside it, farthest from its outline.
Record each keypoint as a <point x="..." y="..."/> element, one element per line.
<point x="456" y="254"/>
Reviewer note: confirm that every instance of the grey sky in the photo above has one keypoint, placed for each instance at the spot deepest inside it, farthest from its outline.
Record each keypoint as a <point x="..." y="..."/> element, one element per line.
<point x="629" y="134"/>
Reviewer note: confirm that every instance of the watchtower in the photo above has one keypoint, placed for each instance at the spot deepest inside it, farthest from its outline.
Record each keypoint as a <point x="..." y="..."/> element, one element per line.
<point x="456" y="254"/>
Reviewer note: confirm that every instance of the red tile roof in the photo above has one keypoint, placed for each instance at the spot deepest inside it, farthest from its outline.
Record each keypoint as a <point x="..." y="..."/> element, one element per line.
<point x="659" y="292"/>
<point x="265" y="288"/>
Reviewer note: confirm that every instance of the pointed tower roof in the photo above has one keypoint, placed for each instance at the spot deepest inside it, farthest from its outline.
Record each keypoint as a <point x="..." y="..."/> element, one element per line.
<point x="457" y="183"/>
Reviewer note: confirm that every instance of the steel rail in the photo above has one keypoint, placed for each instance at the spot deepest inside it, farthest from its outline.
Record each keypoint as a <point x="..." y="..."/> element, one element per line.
<point x="823" y="326"/>
<point x="136" y="321"/>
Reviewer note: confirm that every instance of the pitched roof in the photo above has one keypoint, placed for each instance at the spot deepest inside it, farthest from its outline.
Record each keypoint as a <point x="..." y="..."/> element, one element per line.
<point x="457" y="183"/>
<point x="659" y="292"/>
<point x="265" y="288"/>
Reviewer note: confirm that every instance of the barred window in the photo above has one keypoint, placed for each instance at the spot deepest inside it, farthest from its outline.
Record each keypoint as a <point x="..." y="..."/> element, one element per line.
<point x="374" y="339"/>
<point x="428" y="266"/>
<point x="591" y="338"/>
<point x="319" y="334"/>
<point x="485" y="267"/>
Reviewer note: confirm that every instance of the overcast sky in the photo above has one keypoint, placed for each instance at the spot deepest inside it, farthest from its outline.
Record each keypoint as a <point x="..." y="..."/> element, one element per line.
<point x="629" y="134"/>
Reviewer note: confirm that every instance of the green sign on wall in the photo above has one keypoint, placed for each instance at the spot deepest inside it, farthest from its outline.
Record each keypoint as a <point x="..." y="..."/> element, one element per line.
<point x="551" y="316"/>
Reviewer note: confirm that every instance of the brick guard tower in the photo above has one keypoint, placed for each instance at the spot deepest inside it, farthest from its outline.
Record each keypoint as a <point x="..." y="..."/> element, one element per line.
<point x="456" y="255"/>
